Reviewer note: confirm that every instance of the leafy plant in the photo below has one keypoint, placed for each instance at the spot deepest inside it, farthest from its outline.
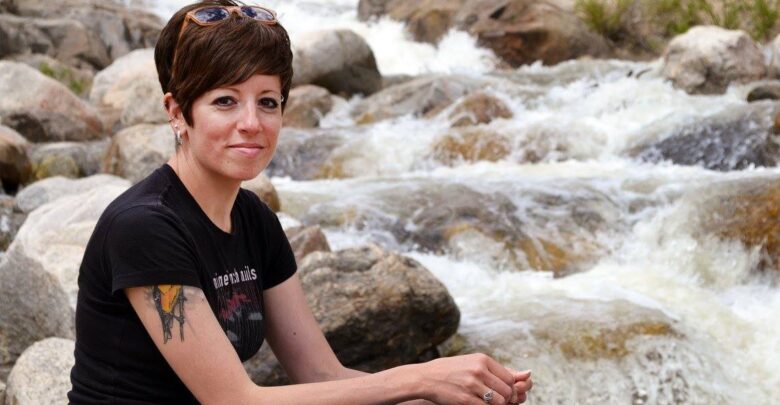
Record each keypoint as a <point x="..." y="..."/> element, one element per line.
<point x="607" y="17"/>
<point x="65" y="76"/>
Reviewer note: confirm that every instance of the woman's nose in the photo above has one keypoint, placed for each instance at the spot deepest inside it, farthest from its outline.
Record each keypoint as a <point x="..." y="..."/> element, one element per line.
<point x="249" y="121"/>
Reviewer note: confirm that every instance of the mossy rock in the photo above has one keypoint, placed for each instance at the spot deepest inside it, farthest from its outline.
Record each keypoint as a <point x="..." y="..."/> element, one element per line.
<point x="57" y="165"/>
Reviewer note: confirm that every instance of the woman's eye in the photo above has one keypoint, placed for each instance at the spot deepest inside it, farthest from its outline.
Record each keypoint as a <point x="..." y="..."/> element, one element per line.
<point x="224" y="102"/>
<point x="268" y="103"/>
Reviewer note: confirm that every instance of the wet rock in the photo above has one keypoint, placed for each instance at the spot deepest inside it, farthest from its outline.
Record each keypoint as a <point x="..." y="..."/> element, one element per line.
<point x="422" y="96"/>
<point x="706" y="59"/>
<point x="736" y="139"/>
<point x="38" y="274"/>
<point x="128" y="91"/>
<point x="66" y="40"/>
<point x="305" y="240"/>
<point x="15" y="167"/>
<point x="307" y="105"/>
<point x="45" y="191"/>
<point x="42" y="373"/>
<point x="765" y="91"/>
<point x="426" y="20"/>
<point x="527" y="228"/>
<point x="339" y="60"/>
<point x="79" y="81"/>
<point x="478" y="108"/>
<point x="377" y="309"/>
<point x="471" y="145"/>
<point x="11" y="220"/>
<point x="744" y="210"/>
<point x="263" y="188"/>
<point x="137" y="151"/>
<point x="569" y="342"/>
<point x="302" y="154"/>
<point x="43" y="109"/>
<point x="524" y="31"/>
<point x="84" y="158"/>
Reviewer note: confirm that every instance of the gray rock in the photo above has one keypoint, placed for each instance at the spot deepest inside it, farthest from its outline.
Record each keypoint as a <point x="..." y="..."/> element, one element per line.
<point x="302" y="154"/>
<point x="307" y="105"/>
<point x="422" y="96"/>
<point x="44" y="109"/>
<point x="128" y="92"/>
<point x="15" y="167"/>
<point x="11" y="220"/>
<point x="78" y="80"/>
<point x="377" y="309"/>
<point x="339" y="60"/>
<point x="87" y="157"/>
<point x="66" y="40"/>
<point x="2" y="392"/>
<point x="42" y="373"/>
<point x="774" y="64"/>
<point x="48" y="190"/>
<point x="38" y="274"/>
<point x="305" y="240"/>
<point x="706" y="59"/>
<point x="137" y="151"/>
<point x="733" y="140"/>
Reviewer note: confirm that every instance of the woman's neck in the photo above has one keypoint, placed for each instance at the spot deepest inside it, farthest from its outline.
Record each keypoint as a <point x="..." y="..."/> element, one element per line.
<point x="214" y="194"/>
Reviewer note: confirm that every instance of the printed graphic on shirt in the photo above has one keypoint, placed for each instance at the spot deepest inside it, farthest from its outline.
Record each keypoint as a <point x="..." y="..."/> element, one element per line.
<point x="239" y="309"/>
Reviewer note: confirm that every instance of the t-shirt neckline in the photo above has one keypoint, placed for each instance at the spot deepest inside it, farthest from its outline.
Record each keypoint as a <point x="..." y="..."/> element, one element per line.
<point x="176" y="182"/>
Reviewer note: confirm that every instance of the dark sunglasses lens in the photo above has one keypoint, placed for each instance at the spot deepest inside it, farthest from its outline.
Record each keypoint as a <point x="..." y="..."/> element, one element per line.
<point x="211" y="14"/>
<point x="257" y="13"/>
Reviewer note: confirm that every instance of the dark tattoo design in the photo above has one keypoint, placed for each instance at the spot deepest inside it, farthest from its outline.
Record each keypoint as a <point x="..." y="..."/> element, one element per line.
<point x="169" y="301"/>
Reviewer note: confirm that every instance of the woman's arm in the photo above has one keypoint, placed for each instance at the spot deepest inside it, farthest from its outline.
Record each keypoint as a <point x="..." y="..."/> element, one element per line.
<point x="182" y="326"/>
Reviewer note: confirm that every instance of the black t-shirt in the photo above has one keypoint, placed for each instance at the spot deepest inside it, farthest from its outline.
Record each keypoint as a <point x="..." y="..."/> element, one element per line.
<point x="155" y="233"/>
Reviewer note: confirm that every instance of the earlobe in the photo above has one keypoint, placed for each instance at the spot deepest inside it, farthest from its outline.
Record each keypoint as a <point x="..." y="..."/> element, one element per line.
<point x="171" y="107"/>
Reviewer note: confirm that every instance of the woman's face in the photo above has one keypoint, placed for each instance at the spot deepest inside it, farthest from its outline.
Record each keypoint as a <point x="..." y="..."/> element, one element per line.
<point x="236" y="127"/>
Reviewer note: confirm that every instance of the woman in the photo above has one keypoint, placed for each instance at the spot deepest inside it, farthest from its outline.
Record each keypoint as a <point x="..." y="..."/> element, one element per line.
<point x="186" y="274"/>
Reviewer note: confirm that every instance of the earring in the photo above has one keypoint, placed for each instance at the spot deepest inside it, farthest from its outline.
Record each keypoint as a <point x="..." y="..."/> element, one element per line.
<point x="178" y="138"/>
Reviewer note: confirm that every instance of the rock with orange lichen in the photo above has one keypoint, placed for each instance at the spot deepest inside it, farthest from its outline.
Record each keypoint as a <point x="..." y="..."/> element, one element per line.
<point x="478" y="108"/>
<point x="471" y="145"/>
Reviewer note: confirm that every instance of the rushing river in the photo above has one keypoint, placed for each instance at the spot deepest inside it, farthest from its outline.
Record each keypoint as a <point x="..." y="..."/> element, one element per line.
<point x="651" y="311"/>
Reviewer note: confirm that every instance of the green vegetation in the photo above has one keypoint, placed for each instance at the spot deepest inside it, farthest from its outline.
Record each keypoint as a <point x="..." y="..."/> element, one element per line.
<point x="633" y="20"/>
<point x="65" y="76"/>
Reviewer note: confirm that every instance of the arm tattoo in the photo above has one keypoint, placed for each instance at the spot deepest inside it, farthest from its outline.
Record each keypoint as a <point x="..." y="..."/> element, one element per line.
<point x="169" y="301"/>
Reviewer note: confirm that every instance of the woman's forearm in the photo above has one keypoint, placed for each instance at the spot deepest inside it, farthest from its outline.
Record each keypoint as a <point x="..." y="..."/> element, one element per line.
<point x="355" y="387"/>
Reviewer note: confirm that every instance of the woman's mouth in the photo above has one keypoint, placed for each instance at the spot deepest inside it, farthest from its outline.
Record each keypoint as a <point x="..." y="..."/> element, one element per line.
<point x="247" y="149"/>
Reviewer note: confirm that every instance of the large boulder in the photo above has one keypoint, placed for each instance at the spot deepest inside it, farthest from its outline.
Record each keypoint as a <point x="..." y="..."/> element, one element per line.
<point x="137" y="151"/>
<point x="78" y="80"/>
<point x="128" y="91"/>
<point x="338" y="60"/>
<point x="44" y="110"/>
<point x="69" y="159"/>
<point x="119" y="28"/>
<point x="42" y="373"/>
<point x="307" y="105"/>
<point x="303" y="154"/>
<point x="68" y="41"/>
<point x="15" y="168"/>
<point x="38" y="274"/>
<point x="45" y="191"/>
<point x="519" y="31"/>
<point x="735" y="139"/>
<point x="422" y="96"/>
<point x="377" y="309"/>
<point x="570" y="343"/>
<point x="706" y="59"/>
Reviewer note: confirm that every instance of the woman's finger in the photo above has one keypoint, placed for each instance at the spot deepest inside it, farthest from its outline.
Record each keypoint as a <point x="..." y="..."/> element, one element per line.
<point x="490" y="396"/>
<point x="524" y="386"/>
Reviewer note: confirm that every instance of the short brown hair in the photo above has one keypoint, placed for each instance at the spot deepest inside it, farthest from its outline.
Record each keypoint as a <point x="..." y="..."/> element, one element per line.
<point x="219" y="55"/>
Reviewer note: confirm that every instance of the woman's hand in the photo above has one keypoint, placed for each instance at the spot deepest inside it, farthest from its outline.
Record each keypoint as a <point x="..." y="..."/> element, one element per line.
<point x="467" y="379"/>
<point x="522" y="385"/>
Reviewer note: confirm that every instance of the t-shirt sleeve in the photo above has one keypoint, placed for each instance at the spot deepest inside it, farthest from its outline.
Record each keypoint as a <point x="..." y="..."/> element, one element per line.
<point x="147" y="245"/>
<point x="280" y="262"/>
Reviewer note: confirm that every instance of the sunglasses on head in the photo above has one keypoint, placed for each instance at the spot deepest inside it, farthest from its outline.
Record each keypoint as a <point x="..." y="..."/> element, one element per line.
<point x="212" y="15"/>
